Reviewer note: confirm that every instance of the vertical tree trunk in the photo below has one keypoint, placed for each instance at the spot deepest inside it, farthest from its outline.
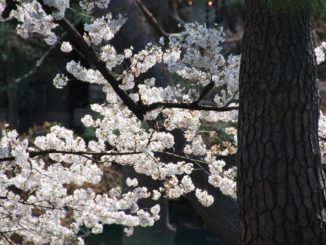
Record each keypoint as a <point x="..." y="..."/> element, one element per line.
<point x="280" y="181"/>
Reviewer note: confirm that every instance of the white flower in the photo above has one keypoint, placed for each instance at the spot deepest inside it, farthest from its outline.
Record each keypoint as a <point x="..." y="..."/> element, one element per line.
<point x="204" y="198"/>
<point x="98" y="228"/>
<point x="66" y="47"/>
<point x="87" y="120"/>
<point x="110" y="56"/>
<point x="131" y="182"/>
<point x="2" y="8"/>
<point x="155" y="210"/>
<point x="129" y="230"/>
<point x="320" y="53"/>
<point x="187" y="184"/>
<point x="104" y="28"/>
<point x="61" y="182"/>
<point x="33" y="19"/>
<point x="128" y="52"/>
<point x="83" y="74"/>
<point x="60" y="81"/>
<point x="59" y="7"/>
<point x="156" y="195"/>
<point x="89" y="5"/>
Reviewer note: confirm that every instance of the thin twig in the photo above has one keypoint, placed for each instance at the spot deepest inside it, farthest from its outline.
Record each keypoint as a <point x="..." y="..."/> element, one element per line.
<point x="206" y="90"/>
<point x="6" y="238"/>
<point x="152" y="20"/>
<point x="37" y="65"/>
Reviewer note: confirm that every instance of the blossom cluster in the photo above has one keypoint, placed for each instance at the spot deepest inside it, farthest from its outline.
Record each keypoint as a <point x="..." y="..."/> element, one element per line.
<point x="196" y="55"/>
<point x="33" y="19"/>
<point x="39" y="195"/>
<point x="320" y="53"/>
<point x="102" y="29"/>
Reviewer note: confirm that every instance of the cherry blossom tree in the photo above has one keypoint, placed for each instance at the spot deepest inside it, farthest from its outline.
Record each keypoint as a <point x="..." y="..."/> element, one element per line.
<point x="48" y="185"/>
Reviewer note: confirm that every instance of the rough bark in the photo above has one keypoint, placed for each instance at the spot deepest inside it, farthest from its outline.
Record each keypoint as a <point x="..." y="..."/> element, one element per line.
<point x="280" y="181"/>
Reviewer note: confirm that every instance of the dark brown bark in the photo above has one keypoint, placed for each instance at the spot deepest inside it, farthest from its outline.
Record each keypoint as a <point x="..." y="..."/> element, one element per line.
<point x="280" y="180"/>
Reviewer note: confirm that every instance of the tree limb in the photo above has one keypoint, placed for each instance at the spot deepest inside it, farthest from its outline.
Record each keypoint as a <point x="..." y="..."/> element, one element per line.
<point x="88" y="52"/>
<point x="38" y="63"/>
<point x="191" y="106"/>
<point x="100" y="66"/>
<point x="206" y="90"/>
<point x="81" y="153"/>
<point x="152" y="20"/>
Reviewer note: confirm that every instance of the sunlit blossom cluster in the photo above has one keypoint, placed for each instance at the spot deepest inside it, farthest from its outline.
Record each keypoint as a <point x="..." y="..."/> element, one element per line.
<point x="60" y="81"/>
<point x="33" y="19"/>
<point x="90" y="5"/>
<point x="36" y="194"/>
<point x="195" y="55"/>
<point x="320" y="53"/>
<point x="102" y="29"/>
<point x="66" y="47"/>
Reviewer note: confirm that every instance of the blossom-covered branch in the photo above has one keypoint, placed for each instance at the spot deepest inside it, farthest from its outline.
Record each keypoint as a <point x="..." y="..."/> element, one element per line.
<point x="88" y="52"/>
<point x="55" y="176"/>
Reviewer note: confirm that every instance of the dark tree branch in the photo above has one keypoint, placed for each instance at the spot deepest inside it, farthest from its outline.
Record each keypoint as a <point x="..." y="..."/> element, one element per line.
<point x="10" y="5"/>
<point x="38" y="64"/>
<point x="2" y="234"/>
<point x="174" y="9"/>
<point x="86" y="154"/>
<point x="81" y="153"/>
<point x="88" y="52"/>
<point x="152" y="20"/>
<point x="206" y="90"/>
<point x="191" y="106"/>
<point x="100" y="66"/>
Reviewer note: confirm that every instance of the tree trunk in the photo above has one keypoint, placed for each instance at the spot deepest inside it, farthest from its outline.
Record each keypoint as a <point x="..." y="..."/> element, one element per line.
<point x="280" y="181"/>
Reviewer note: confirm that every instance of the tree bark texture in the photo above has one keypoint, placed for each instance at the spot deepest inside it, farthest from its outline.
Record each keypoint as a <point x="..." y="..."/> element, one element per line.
<point x="280" y="180"/>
